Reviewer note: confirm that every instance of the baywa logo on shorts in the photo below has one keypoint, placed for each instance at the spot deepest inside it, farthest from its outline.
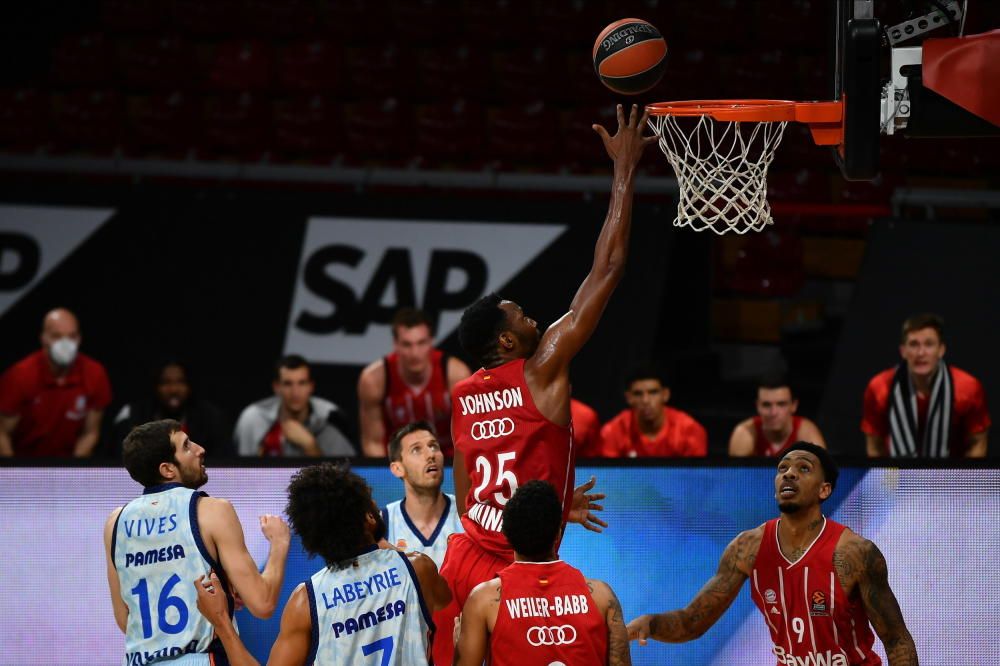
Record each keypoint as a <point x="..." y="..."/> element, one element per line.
<point x="492" y="428"/>
<point x="828" y="658"/>
<point x="355" y="273"/>
<point x="564" y="635"/>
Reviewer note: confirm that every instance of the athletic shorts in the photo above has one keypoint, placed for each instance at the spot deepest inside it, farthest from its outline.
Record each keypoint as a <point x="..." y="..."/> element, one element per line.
<point x="466" y="565"/>
<point x="443" y="649"/>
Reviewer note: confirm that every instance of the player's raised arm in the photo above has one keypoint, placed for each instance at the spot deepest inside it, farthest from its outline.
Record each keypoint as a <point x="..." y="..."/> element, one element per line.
<point x="881" y="605"/>
<point x="566" y="336"/>
<point x="259" y="590"/>
<point x="711" y="601"/>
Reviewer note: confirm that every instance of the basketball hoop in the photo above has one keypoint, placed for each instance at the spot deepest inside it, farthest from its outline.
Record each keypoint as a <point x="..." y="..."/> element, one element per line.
<point x="721" y="149"/>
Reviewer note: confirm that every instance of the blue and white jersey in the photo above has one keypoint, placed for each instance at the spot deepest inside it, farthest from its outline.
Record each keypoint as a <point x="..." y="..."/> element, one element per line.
<point x="370" y="613"/>
<point x="402" y="533"/>
<point x="158" y="552"/>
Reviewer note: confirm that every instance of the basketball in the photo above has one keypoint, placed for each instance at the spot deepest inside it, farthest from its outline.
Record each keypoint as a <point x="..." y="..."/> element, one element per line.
<point x="630" y="56"/>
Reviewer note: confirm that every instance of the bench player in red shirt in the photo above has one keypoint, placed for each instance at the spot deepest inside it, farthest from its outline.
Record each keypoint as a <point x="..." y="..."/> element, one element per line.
<point x="511" y="419"/>
<point x="817" y="583"/>
<point x="540" y="610"/>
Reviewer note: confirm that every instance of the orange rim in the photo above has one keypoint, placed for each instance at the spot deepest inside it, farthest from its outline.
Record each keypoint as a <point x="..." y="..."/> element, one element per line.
<point x="825" y="119"/>
<point x="759" y="110"/>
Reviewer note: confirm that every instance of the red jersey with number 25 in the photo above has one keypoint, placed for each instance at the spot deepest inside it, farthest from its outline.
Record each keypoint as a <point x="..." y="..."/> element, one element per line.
<point x="505" y="442"/>
<point x="547" y="616"/>
<point x="807" y="611"/>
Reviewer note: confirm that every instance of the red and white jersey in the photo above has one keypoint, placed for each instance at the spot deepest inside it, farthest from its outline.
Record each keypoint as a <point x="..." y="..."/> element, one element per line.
<point x="547" y="616"/>
<point x="762" y="446"/>
<point x="402" y="405"/>
<point x="812" y="622"/>
<point x="506" y="442"/>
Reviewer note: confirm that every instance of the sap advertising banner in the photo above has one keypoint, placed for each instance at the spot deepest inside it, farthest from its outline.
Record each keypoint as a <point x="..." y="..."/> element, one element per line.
<point x="35" y="239"/>
<point x="355" y="273"/>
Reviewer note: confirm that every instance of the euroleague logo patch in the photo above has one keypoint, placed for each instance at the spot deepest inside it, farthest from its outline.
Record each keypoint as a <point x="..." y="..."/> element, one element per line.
<point x="818" y="605"/>
<point x="564" y="635"/>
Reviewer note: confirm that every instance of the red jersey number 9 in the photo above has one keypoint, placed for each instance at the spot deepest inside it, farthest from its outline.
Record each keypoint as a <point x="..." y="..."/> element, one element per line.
<point x="504" y="476"/>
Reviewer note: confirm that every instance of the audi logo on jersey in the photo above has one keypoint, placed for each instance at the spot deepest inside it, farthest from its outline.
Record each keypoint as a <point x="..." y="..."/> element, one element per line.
<point x="563" y="635"/>
<point x="492" y="428"/>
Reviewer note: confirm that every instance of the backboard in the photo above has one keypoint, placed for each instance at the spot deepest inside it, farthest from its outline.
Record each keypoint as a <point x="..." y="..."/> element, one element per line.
<point x="856" y="52"/>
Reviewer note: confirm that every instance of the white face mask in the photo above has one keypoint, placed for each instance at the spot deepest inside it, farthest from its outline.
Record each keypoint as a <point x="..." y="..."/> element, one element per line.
<point x="63" y="351"/>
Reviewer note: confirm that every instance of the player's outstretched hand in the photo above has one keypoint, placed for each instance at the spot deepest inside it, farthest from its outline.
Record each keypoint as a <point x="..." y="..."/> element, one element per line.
<point x="211" y="600"/>
<point x="638" y="629"/>
<point x="275" y="529"/>
<point x="584" y="503"/>
<point x="626" y="146"/>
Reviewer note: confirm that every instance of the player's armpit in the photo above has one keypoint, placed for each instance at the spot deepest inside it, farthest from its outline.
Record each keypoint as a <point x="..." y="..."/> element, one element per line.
<point x="711" y="601"/>
<point x="292" y="645"/>
<point x="883" y="609"/>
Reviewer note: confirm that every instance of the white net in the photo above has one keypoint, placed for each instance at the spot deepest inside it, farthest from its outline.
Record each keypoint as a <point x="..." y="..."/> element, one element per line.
<point x="721" y="170"/>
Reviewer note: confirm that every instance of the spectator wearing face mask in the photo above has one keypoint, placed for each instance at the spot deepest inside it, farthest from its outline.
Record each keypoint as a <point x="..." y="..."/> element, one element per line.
<point x="52" y="401"/>
<point x="173" y="395"/>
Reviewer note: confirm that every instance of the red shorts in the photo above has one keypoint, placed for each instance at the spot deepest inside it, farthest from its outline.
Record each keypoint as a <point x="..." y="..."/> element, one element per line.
<point x="443" y="649"/>
<point x="466" y="565"/>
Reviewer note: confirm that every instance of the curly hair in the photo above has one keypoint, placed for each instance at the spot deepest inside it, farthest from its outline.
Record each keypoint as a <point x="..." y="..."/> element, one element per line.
<point x="327" y="506"/>
<point x="481" y="324"/>
<point x="145" y="447"/>
<point x="532" y="520"/>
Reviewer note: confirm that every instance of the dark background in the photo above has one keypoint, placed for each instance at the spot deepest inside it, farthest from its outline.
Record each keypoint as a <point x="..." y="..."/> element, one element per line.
<point x="199" y="261"/>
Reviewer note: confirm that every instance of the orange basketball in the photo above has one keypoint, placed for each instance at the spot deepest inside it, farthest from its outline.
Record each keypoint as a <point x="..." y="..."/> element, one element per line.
<point x="630" y="56"/>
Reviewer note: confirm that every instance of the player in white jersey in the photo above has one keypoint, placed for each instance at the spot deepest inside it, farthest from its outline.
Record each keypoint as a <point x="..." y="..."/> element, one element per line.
<point x="157" y="543"/>
<point x="425" y="517"/>
<point x="368" y="605"/>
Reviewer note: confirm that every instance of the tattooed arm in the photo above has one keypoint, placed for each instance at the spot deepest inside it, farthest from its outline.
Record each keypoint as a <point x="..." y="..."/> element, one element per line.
<point x="882" y="607"/>
<point x="710" y="602"/>
<point x="609" y="606"/>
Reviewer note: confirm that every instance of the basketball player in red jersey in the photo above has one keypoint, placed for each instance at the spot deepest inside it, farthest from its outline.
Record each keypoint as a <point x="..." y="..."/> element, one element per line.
<point x="540" y="610"/>
<point x="413" y="383"/>
<point x="817" y="583"/>
<point x="776" y="425"/>
<point x="511" y="419"/>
